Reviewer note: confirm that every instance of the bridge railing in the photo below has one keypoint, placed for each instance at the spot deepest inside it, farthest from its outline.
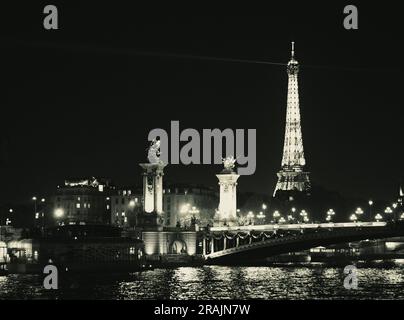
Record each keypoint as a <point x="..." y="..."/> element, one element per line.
<point x="298" y="226"/>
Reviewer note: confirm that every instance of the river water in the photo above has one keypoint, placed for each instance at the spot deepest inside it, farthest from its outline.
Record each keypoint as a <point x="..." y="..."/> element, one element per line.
<point x="217" y="282"/>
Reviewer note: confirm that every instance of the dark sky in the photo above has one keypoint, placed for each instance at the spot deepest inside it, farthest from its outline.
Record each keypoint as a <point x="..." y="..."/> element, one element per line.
<point x="80" y="101"/>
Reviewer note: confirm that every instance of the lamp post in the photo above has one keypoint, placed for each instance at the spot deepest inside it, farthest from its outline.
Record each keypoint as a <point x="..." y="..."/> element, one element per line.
<point x="353" y="218"/>
<point x="58" y="214"/>
<point x="388" y="211"/>
<point x="261" y="217"/>
<point x="250" y="217"/>
<point x="378" y="217"/>
<point x="370" y="202"/>
<point x="303" y="215"/>
<point x="330" y="214"/>
<point x="359" y="212"/>
<point x="276" y="215"/>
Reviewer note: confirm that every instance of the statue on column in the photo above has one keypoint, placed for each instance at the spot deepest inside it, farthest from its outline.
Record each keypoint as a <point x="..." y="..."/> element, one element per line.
<point x="153" y="215"/>
<point x="226" y="214"/>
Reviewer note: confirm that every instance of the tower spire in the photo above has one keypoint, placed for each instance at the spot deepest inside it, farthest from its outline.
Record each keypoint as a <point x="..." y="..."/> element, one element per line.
<point x="293" y="50"/>
<point x="292" y="175"/>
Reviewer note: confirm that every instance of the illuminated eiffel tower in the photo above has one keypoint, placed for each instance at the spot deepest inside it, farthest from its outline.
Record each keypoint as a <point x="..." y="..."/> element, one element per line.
<point x="292" y="176"/>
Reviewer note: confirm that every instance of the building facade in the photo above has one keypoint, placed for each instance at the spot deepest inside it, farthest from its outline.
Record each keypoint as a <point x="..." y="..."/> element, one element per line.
<point x="86" y="201"/>
<point x="126" y="203"/>
<point x="184" y="203"/>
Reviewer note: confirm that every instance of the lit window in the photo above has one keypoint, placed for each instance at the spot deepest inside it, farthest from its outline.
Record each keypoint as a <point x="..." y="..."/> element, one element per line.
<point x="132" y="250"/>
<point x="129" y="192"/>
<point x="37" y="215"/>
<point x="124" y="192"/>
<point x="88" y="205"/>
<point x="125" y="220"/>
<point x="78" y="198"/>
<point x="78" y="205"/>
<point x="136" y="200"/>
<point x="101" y="188"/>
<point x="85" y="205"/>
<point x="107" y="206"/>
<point x="123" y="214"/>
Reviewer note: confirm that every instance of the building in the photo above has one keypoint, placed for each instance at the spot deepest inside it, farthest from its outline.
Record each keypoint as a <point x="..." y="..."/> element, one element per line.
<point x="183" y="203"/>
<point x="292" y="176"/>
<point x="85" y="201"/>
<point x="126" y="203"/>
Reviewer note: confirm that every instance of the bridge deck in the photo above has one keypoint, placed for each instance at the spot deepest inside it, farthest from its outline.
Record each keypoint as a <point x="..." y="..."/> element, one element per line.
<point x="271" y="227"/>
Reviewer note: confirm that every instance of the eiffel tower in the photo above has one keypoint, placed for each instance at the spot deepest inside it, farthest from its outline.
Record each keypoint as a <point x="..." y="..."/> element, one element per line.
<point x="292" y="176"/>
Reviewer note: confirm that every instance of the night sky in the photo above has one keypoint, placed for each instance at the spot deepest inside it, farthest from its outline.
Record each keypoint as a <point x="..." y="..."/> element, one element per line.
<point x="80" y="101"/>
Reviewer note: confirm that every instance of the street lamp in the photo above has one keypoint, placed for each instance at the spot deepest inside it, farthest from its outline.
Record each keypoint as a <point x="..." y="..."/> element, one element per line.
<point x="282" y="220"/>
<point x="59" y="213"/>
<point x="370" y="202"/>
<point x="353" y="217"/>
<point x="261" y="217"/>
<point x="184" y="208"/>
<point x="378" y="217"/>
<point x="303" y="214"/>
<point x="358" y="212"/>
<point x="276" y="215"/>
<point x="330" y="214"/>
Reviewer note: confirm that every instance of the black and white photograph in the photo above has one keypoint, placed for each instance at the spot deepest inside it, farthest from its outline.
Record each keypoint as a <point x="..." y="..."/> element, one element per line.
<point x="173" y="155"/>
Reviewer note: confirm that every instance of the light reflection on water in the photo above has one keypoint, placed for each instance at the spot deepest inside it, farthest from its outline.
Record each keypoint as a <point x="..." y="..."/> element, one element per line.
<point x="216" y="282"/>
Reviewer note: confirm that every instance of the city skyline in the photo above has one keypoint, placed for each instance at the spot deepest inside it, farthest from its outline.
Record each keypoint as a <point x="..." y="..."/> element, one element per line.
<point x="90" y="115"/>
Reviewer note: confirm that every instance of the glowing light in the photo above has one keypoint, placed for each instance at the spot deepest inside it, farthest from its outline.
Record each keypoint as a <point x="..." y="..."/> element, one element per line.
<point x="132" y="203"/>
<point x="370" y="202"/>
<point x="388" y="210"/>
<point x="264" y="206"/>
<point x="282" y="220"/>
<point x="185" y="208"/>
<point x="378" y="217"/>
<point x="59" y="213"/>
<point x="330" y="212"/>
<point x="353" y="217"/>
<point x="276" y="214"/>
<point x="359" y="211"/>
<point x="34" y="198"/>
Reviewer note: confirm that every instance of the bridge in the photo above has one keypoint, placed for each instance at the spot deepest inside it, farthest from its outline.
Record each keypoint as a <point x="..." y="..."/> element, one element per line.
<point x="243" y="243"/>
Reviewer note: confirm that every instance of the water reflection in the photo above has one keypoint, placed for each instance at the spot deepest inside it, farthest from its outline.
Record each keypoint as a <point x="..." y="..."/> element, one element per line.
<point x="216" y="282"/>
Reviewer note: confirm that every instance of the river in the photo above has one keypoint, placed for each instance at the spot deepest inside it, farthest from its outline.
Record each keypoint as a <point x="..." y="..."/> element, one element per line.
<point x="217" y="282"/>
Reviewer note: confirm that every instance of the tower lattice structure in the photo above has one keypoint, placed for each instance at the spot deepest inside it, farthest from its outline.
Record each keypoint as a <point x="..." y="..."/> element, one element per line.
<point x="292" y="176"/>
